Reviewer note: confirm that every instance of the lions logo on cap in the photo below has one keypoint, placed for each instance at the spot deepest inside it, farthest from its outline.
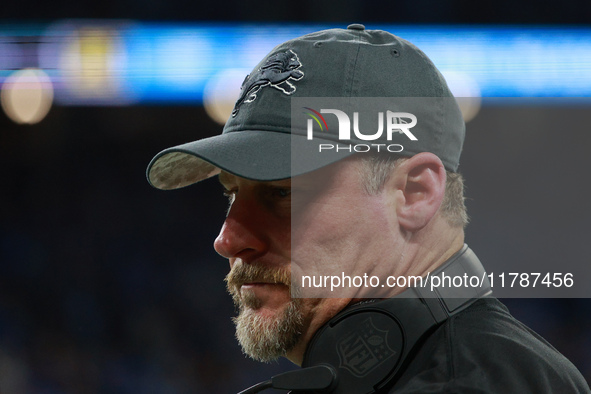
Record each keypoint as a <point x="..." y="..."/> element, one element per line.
<point x="277" y="71"/>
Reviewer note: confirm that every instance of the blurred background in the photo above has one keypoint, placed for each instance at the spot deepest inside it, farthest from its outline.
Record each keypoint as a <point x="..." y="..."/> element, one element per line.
<point x="110" y="286"/>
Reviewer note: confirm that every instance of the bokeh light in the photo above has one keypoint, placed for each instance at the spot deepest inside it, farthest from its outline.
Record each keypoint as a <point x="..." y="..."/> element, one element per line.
<point x="27" y="96"/>
<point x="221" y="92"/>
<point x="467" y="93"/>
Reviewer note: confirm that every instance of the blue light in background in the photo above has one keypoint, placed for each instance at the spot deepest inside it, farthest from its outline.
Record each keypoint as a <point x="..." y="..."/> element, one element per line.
<point x="129" y="62"/>
<point x="172" y="63"/>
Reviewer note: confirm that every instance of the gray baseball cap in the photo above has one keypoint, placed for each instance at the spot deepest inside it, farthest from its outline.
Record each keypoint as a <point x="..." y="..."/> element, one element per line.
<point x="257" y="141"/>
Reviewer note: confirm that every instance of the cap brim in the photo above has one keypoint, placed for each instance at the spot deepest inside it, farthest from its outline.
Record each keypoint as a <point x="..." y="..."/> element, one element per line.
<point x="252" y="154"/>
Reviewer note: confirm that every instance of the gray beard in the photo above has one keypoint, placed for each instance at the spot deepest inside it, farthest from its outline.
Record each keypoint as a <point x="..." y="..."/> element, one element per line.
<point x="266" y="338"/>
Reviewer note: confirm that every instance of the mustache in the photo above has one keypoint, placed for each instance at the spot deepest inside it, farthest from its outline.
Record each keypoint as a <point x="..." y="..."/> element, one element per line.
<point x="251" y="273"/>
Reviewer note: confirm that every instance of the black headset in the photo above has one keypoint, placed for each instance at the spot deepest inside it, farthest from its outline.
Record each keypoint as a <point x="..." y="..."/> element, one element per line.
<point x="366" y="347"/>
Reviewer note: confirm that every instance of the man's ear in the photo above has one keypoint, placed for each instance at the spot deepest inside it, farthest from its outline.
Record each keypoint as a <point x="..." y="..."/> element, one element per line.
<point x="420" y="182"/>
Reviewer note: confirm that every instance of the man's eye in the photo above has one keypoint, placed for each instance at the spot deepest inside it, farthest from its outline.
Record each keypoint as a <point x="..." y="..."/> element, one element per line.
<point x="282" y="192"/>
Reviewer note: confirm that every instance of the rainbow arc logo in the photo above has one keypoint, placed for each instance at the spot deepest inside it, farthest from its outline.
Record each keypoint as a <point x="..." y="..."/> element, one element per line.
<point x="316" y="115"/>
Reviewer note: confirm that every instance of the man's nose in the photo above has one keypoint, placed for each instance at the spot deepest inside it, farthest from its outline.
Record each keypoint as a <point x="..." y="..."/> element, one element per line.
<point x="241" y="234"/>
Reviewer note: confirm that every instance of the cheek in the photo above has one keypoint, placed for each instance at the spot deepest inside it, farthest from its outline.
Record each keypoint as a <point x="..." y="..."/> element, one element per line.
<point x="280" y="235"/>
<point x="361" y="217"/>
<point x="325" y="244"/>
<point x="320" y="227"/>
<point x="344" y="240"/>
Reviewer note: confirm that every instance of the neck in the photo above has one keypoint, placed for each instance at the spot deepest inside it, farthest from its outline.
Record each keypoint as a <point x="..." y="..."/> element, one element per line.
<point x="427" y="249"/>
<point x="431" y="257"/>
<point x="422" y="256"/>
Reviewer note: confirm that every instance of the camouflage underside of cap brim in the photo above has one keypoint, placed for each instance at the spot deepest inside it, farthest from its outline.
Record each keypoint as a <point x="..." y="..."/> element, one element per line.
<point x="178" y="169"/>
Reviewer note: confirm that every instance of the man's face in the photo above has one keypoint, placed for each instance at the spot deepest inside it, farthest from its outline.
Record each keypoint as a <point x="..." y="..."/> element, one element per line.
<point x="255" y="237"/>
<point x="331" y="221"/>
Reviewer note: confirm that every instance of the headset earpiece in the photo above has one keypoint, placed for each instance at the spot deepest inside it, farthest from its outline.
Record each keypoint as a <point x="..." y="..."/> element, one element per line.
<point x="370" y="343"/>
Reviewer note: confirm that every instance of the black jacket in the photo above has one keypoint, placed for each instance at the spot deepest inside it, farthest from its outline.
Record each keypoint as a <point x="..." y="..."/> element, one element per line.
<point x="484" y="349"/>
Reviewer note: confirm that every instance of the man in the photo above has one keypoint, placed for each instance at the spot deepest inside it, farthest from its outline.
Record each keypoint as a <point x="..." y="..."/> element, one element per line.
<point x="315" y="197"/>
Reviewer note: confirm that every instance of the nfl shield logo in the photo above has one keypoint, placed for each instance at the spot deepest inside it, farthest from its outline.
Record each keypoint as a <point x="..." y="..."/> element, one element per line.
<point x="365" y="349"/>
